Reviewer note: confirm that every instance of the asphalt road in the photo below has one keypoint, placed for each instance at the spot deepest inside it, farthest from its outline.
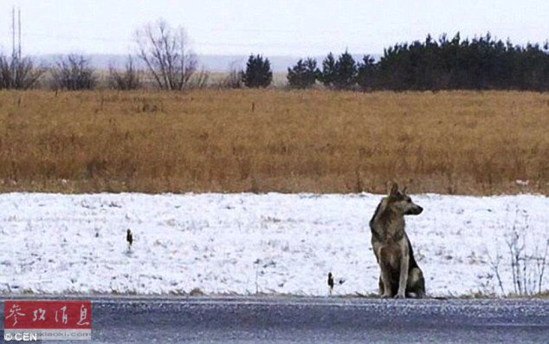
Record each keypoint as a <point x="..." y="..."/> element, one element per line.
<point x="317" y="320"/>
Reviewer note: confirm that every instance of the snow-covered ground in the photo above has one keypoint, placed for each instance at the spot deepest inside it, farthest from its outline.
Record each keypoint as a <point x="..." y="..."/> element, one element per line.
<point x="248" y="244"/>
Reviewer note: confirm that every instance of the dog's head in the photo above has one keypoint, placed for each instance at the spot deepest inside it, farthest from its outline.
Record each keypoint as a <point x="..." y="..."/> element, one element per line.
<point x="401" y="202"/>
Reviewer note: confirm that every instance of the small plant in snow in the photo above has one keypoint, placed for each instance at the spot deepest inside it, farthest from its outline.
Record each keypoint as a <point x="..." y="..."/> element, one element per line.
<point x="527" y="258"/>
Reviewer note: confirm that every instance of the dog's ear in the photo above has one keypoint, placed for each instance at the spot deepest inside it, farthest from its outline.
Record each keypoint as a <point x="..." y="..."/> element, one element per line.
<point x="404" y="190"/>
<point x="394" y="190"/>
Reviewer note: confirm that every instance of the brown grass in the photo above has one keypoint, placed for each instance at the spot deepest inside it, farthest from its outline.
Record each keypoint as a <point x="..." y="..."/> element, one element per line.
<point x="269" y="140"/>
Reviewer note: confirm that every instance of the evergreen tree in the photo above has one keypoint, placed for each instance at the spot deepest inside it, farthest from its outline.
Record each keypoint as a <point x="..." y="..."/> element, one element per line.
<point x="328" y="74"/>
<point x="258" y="72"/>
<point x="366" y="73"/>
<point x="345" y="72"/>
<point x="480" y="63"/>
<point x="303" y="74"/>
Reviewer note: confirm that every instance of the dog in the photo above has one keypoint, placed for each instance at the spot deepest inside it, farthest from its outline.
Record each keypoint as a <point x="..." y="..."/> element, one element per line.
<point x="400" y="274"/>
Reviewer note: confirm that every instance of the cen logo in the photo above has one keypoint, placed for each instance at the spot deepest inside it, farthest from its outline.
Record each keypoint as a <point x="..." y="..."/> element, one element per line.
<point x="26" y="320"/>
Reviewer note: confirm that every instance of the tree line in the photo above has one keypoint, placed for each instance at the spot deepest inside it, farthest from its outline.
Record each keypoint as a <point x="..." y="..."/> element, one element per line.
<point x="164" y="51"/>
<point x="481" y="63"/>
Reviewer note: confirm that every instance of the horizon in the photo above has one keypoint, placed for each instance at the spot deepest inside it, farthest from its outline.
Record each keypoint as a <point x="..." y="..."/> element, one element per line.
<point x="210" y="62"/>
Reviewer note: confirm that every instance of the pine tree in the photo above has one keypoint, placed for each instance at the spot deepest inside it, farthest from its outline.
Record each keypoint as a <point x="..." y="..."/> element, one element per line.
<point x="258" y="72"/>
<point x="328" y="74"/>
<point x="346" y="72"/>
<point x="303" y="74"/>
<point x="366" y="73"/>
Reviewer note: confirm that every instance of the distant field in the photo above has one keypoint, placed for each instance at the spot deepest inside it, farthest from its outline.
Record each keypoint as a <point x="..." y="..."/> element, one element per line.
<point x="274" y="140"/>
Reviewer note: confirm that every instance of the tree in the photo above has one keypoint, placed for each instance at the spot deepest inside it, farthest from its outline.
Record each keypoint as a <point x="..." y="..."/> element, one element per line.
<point x="129" y="79"/>
<point x="480" y="63"/>
<point x="18" y="73"/>
<point x="345" y="72"/>
<point x="234" y="77"/>
<point x="366" y="73"/>
<point x="167" y="54"/>
<point x="303" y="74"/>
<point x="258" y="72"/>
<point x="328" y="74"/>
<point x="73" y="72"/>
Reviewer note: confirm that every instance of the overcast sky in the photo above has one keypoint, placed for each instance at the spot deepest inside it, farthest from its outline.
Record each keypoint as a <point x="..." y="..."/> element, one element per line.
<point x="273" y="27"/>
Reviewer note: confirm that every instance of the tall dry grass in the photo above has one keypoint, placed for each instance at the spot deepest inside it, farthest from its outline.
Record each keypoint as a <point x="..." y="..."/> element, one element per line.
<point x="268" y="140"/>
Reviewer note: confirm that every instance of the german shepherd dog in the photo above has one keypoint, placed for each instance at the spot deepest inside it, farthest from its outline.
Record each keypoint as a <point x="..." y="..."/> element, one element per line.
<point x="400" y="275"/>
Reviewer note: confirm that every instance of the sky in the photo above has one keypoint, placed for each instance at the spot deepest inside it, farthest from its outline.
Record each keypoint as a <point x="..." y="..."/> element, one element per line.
<point x="274" y="27"/>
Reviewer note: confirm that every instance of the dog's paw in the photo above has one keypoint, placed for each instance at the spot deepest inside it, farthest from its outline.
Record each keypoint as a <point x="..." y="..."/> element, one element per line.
<point x="385" y="296"/>
<point x="400" y="296"/>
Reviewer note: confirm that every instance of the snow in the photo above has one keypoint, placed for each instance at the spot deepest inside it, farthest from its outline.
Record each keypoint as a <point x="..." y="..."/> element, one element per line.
<point x="250" y="244"/>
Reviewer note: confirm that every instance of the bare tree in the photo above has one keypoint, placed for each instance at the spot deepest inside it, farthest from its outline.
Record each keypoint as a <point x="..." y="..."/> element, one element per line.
<point x="234" y="78"/>
<point x="129" y="79"/>
<point x="167" y="55"/>
<point x="73" y="72"/>
<point x="199" y="80"/>
<point x="18" y="73"/>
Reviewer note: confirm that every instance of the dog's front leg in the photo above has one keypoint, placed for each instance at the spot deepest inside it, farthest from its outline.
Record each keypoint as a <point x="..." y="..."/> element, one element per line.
<point x="385" y="279"/>
<point x="385" y="267"/>
<point x="403" y="281"/>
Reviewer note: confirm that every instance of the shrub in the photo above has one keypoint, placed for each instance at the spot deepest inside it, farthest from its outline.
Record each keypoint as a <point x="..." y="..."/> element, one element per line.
<point x="73" y="72"/>
<point x="129" y="79"/>
<point x="234" y="77"/>
<point x="18" y="73"/>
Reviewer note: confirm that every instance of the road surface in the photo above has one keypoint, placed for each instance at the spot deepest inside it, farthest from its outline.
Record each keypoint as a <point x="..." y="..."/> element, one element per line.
<point x="317" y="320"/>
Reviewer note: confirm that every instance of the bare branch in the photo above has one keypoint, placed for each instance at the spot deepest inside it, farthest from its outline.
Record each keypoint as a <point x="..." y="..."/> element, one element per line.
<point x="167" y="55"/>
<point x="129" y="79"/>
<point x="73" y="72"/>
<point x="18" y="73"/>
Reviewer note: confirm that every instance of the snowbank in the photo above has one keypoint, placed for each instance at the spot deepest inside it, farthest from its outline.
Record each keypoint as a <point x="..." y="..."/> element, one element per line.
<point x="247" y="244"/>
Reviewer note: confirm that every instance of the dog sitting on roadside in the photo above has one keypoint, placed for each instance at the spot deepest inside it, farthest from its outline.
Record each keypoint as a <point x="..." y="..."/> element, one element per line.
<point x="400" y="275"/>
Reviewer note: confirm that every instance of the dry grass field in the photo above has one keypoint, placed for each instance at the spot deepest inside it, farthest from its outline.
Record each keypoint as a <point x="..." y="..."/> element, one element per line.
<point x="274" y="140"/>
